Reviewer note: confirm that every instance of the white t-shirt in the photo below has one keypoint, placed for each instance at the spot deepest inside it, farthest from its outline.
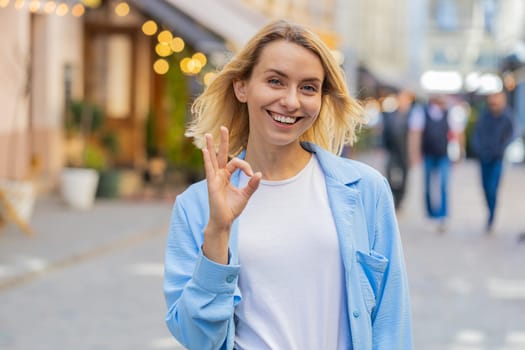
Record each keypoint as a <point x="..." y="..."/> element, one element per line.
<point x="292" y="276"/>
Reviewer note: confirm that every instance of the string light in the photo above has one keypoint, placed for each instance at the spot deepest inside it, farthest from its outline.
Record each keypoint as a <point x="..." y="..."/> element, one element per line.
<point x="91" y="3"/>
<point x="199" y="56"/>
<point x="149" y="28"/>
<point x="62" y="9"/>
<point x="208" y="78"/>
<point x="165" y="37"/>
<point x="177" y="44"/>
<point x="19" y="4"/>
<point x="167" y="43"/>
<point x="122" y="9"/>
<point x="163" y="49"/>
<point x="50" y="7"/>
<point x="161" y="66"/>
<point x="34" y="6"/>
<point x="78" y="10"/>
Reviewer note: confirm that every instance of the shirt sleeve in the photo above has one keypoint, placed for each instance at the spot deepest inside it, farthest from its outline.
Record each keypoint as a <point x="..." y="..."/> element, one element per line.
<point x="199" y="292"/>
<point x="416" y="119"/>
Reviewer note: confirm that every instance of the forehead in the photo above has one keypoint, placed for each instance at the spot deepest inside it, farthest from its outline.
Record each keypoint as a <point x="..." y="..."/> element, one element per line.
<point x="290" y="57"/>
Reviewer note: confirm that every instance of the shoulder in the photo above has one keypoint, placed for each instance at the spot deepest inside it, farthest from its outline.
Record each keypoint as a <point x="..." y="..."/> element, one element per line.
<point x="346" y="170"/>
<point x="371" y="178"/>
<point x="195" y="194"/>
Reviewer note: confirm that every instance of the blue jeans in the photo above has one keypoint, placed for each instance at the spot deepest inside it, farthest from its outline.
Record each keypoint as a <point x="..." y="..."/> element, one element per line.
<point x="490" y="178"/>
<point x="437" y="171"/>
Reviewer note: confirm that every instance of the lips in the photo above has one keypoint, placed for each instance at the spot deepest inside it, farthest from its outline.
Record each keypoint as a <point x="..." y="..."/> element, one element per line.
<point x="284" y="119"/>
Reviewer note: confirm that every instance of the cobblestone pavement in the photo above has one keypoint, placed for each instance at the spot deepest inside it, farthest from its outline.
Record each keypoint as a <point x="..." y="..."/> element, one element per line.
<point x="93" y="280"/>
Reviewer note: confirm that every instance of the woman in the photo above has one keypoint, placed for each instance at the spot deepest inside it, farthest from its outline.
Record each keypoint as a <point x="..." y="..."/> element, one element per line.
<point x="285" y="245"/>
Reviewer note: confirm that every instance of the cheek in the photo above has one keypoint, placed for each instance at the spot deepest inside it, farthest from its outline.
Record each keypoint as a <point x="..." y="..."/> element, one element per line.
<point x="313" y="107"/>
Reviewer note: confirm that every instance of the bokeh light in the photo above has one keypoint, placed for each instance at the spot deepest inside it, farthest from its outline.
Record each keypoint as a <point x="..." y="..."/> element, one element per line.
<point x="149" y="27"/>
<point x="161" y="66"/>
<point x="78" y="10"/>
<point x="177" y="44"/>
<point x="122" y="9"/>
<point x="165" y="37"/>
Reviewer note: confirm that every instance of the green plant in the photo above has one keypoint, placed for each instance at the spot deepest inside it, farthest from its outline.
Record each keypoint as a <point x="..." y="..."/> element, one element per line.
<point x="83" y="121"/>
<point x="94" y="158"/>
<point x="181" y="153"/>
<point x="84" y="118"/>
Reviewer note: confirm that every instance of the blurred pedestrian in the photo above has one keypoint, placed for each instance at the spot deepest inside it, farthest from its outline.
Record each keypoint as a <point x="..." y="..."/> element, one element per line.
<point x="432" y="128"/>
<point x="492" y="133"/>
<point x="285" y="245"/>
<point x="395" y="143"/>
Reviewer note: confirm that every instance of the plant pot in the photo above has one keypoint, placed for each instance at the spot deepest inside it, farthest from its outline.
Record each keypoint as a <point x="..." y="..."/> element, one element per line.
<point x="109" y="184"/>
<point x="78" y="187"/>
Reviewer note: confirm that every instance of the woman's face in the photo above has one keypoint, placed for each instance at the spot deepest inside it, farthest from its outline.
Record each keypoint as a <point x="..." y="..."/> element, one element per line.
<point x="283" y="94"/>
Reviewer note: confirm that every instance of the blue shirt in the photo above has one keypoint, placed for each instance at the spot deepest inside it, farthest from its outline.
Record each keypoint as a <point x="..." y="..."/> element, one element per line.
<point x="202" y="295"/>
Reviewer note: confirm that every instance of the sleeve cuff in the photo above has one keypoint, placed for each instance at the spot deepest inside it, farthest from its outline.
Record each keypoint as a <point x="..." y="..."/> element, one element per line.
<point x="216" y="278"/>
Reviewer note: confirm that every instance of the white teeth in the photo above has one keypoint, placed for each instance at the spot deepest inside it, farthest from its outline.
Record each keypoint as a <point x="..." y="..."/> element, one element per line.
<point x="284" y="119"/>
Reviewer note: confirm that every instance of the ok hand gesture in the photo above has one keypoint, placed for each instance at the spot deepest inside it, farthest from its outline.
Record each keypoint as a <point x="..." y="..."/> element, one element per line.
<point x="225" y="200"/>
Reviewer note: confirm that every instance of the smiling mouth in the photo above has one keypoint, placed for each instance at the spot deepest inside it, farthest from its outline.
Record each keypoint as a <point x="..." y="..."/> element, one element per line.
<point x="283" y="119"/>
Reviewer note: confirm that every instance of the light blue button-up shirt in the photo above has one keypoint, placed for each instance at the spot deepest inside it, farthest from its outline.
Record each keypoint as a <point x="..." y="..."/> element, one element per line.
<point x="202" y="295"/>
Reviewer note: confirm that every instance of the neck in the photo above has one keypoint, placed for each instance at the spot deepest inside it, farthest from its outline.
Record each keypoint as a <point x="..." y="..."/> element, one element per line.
<point x="277" y="163"/>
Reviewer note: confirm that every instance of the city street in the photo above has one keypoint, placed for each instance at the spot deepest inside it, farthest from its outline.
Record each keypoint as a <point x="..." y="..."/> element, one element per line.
<point x="93" y="280"/>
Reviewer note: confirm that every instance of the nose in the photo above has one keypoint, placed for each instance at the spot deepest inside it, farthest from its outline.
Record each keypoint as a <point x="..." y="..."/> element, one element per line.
<point x="290" y="99"/>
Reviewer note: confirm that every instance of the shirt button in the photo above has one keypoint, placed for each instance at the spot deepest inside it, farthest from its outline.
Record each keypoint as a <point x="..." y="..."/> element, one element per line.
<point x="356" y="314"/>
<point x="230" y="278"/>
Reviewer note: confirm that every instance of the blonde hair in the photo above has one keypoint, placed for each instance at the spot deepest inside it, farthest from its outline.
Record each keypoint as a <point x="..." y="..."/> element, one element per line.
<point x="340" y="115"/>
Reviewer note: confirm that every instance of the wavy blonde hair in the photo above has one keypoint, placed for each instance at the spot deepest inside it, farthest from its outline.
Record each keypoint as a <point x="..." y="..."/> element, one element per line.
<point x="340" y="115"/>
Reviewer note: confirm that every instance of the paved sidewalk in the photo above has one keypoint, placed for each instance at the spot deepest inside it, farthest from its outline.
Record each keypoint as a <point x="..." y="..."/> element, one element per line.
<point x="64" y="236"/>
<point x="87" y="279"/>
<point x="93" y="280"/>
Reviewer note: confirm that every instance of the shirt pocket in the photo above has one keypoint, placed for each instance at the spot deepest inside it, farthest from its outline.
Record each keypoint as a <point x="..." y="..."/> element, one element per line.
<point x="371" y="270"/>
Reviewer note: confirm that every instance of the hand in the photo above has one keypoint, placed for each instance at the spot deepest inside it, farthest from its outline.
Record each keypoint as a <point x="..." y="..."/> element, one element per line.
<point x="225" y="200"/>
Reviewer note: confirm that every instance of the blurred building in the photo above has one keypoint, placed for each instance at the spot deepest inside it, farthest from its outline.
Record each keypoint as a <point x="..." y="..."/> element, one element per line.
<point x="132" y="67"/>
<point x="138" y="63"/>
<point x="444" y="45"/>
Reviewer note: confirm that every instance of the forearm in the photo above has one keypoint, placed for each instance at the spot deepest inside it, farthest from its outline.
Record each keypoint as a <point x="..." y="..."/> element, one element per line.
<point x="200" y="316"/>
<point x="199" y="292"/>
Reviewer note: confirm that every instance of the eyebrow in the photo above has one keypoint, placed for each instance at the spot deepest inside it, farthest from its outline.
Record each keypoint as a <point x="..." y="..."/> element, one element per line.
<point x="278" y="72"/>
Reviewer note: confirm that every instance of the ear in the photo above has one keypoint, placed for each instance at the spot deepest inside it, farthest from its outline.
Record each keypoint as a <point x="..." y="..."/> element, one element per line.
<point x="239" y="87"/>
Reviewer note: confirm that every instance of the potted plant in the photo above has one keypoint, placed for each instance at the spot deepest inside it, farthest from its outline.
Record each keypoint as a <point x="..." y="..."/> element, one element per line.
<point x="84" y="158"/>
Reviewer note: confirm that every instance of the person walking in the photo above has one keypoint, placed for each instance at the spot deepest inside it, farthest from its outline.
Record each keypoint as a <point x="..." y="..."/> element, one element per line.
<point x="431" y="128"/>
<point x="492" y="133"/>
<point x="395" y="143"/>
<point x="285" y="244"/>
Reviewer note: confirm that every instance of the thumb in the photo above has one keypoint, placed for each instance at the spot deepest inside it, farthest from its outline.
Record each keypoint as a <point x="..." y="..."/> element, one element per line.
<point x="252" y="185"/>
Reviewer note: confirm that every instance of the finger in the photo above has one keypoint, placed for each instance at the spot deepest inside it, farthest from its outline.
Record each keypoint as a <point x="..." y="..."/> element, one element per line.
<point x="237" y="163"/>
<point x="223" y="147"/>
<point x="211" y="150"/>
<point x="252" y="185"/>
<point x="208" y="167"/>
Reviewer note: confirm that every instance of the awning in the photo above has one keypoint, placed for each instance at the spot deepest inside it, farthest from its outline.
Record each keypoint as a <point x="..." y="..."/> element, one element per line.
<point x="197" y="35"/>
<point x="230" y="19"/>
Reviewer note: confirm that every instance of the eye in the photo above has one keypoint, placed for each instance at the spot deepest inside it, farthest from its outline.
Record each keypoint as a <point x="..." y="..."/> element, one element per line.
<point x="310" y="88"/>
<point x="274" y="81"/>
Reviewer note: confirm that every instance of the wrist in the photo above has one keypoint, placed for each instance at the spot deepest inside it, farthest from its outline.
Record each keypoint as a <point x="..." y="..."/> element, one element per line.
<point x="215" y="245"/>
